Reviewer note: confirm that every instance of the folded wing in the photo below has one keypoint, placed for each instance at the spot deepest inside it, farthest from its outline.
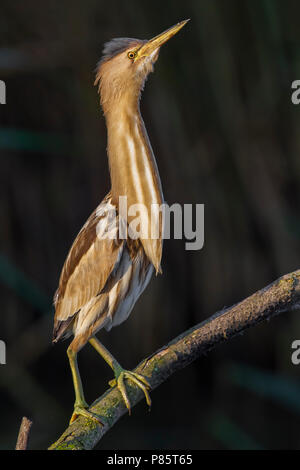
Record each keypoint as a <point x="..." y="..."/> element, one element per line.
<point x="91" y="263"/>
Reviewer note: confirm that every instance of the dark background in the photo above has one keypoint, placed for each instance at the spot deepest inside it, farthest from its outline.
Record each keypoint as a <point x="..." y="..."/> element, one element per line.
<point x="225" y="133"/>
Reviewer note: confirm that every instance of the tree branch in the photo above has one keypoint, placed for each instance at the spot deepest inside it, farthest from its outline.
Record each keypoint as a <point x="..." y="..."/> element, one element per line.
<point x="280" y="296"/>
<point x="23" y="436"/>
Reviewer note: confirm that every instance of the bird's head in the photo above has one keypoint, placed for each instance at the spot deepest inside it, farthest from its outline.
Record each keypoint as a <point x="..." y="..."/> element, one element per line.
<point x="125" y="65"/>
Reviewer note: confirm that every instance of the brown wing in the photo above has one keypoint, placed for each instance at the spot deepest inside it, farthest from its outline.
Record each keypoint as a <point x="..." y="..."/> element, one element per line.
<point x="88" y="266"/>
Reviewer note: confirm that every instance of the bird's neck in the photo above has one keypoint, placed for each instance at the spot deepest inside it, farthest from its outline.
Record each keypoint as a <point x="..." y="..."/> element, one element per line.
<point x="134" y="172"/>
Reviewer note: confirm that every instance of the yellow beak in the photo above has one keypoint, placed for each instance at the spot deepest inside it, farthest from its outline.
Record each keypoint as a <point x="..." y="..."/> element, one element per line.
<point x="156" y="42"/>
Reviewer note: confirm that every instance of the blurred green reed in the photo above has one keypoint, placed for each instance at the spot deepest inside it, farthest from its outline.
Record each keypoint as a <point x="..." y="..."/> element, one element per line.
<point x="281" y="390"/>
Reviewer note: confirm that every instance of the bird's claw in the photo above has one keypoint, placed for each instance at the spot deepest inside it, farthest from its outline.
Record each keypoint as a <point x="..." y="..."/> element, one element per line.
<point x="81" y="410"/>
<point x="112" y="383"/>
<point x="137" y="379"/>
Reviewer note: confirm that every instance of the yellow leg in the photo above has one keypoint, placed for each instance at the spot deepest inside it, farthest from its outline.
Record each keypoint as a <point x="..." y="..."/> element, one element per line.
<point x="122" y="374"/>
<point x="80" y="406"/>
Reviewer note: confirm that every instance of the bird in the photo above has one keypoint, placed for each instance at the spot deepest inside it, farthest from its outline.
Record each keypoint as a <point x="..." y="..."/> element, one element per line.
<point x="109" y="266"/>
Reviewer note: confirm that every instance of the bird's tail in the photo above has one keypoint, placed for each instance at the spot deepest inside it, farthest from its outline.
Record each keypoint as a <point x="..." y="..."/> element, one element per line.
<point x="62" y="329"/>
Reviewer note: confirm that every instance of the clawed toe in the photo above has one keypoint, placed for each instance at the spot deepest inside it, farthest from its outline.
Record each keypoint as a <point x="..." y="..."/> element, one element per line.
<point x="138" y="380"/>
<point x="82" y="411"/>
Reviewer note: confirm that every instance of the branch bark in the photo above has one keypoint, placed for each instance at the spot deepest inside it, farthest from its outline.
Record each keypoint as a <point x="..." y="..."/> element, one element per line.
<point x="23" y="436"/>
<point x="280" y="296"/>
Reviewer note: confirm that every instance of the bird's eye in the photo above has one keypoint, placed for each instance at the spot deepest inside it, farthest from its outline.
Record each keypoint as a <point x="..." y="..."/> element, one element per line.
<point x="131" y="55"/>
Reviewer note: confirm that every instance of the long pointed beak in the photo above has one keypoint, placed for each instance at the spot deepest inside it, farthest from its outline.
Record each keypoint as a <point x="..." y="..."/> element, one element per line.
<point x="156" y="42"/>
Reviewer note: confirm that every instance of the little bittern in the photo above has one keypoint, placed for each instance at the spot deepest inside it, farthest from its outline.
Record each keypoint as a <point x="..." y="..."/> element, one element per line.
<point x="104" y="274"/>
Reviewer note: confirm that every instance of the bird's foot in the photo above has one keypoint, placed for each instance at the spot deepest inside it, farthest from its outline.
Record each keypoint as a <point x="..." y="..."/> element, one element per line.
<point x="80" y="409"/>
<point x="139" y="380"/>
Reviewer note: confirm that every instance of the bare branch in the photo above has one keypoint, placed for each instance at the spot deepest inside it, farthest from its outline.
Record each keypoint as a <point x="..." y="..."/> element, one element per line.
<point x="280" y="296"/>
<point x="23" y="437"/>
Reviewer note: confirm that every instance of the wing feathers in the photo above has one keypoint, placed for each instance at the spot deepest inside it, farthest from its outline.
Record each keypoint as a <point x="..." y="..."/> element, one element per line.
<point x="102" y="277"/>
<point x="89" y="265"/>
